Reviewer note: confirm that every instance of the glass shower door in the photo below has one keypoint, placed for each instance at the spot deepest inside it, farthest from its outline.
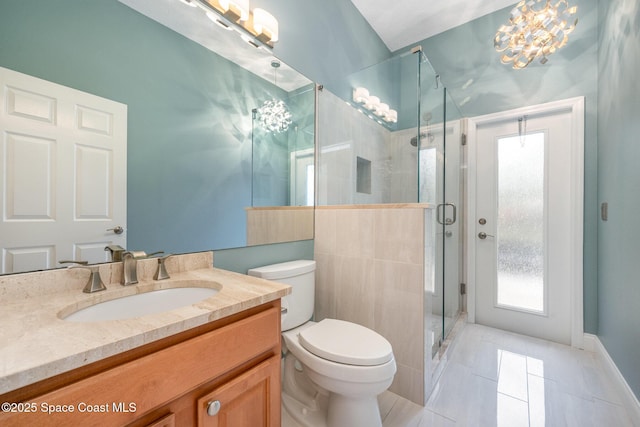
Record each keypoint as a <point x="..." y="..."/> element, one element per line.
<point x="452" y="199"/>
<point x="439" y="142"/>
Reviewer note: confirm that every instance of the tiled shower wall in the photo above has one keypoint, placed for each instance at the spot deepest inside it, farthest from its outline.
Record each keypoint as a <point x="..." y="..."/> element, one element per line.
<point x="371" y="264"/>
<point x="349" y="135"/>
<point x="352" y="135"/>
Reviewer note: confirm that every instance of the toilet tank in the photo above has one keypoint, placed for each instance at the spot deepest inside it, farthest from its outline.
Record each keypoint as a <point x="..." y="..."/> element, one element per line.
<point x="297" y="307"/>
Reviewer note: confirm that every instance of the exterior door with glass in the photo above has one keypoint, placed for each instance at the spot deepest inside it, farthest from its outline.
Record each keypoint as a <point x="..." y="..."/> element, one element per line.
<point x="524" y="233"/>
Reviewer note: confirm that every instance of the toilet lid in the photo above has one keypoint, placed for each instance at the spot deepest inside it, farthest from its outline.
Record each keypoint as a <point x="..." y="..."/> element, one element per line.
<point x="346" y="342"/>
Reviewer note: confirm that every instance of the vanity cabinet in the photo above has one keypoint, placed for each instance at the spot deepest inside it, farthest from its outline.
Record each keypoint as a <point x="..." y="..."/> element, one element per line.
<point x="243" y="401"/>
<point x="225" y="373"/>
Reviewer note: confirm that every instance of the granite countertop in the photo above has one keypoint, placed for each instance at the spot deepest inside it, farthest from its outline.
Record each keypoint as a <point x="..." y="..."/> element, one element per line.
<point x="35" y="343"/>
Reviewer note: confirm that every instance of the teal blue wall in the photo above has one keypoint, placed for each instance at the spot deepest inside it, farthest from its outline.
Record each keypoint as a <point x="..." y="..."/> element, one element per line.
<point x="325" y="40"/>
<point x="618" y="184"/>
<point x="470" y="68"/>
<point x="242" y="259"/>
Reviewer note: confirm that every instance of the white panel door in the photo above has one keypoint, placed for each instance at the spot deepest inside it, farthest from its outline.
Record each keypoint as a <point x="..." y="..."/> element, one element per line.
<point x="524" y="224"/>
<point x="62" y="174"/>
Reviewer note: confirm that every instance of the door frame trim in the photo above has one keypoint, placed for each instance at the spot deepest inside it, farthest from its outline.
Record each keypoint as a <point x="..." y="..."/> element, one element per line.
<point x="577" y="110"/>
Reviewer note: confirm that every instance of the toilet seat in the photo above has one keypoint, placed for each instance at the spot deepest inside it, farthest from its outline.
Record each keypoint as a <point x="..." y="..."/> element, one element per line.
<point x="345" y="342"/>
<point x="359" y="374"/>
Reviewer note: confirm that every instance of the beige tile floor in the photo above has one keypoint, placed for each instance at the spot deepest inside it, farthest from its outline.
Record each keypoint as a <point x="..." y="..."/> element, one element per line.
<point x="497" y="378"/>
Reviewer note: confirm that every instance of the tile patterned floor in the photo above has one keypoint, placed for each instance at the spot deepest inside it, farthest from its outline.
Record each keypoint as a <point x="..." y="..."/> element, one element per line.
<point x="497" y="378"/>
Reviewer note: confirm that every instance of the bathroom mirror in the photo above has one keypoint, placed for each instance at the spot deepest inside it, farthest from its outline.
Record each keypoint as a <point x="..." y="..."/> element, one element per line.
<point x="283" y="177"/>
<point x="190" y="88"/>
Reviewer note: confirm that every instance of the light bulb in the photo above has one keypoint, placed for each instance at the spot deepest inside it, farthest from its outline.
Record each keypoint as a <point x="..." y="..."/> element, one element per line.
<point x="237" y="7"/>
<point x="360" y="95"/>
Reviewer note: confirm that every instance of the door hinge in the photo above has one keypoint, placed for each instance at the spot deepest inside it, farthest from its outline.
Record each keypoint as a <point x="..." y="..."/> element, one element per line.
<point x="463" y="288"/>
<point x="463" y="139"/>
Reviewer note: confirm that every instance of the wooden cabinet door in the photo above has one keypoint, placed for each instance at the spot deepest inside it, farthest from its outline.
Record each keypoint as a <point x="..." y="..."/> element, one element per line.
<point x="249" y="400"/>
<point x="166" y="421"/>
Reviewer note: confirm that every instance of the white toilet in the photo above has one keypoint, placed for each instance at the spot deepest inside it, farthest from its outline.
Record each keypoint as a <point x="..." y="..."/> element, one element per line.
<point x="333" y="370"/>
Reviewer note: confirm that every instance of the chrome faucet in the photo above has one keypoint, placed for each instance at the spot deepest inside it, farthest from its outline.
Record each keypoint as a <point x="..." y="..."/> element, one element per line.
<point x="95" y="283"/>
<point x="130" y="267"/>
<point x="161" y="272"/>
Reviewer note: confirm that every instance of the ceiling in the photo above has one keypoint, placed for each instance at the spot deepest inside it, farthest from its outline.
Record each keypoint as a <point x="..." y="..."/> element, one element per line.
<point x="403" y="22"/>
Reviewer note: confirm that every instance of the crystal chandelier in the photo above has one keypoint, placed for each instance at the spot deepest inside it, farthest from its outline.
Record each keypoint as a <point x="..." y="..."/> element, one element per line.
<point x="536" y="29"/>
<point x="274" y="116"/>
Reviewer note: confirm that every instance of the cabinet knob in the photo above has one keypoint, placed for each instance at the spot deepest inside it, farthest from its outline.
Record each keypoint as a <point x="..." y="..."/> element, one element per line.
<point x="213" y="407"/>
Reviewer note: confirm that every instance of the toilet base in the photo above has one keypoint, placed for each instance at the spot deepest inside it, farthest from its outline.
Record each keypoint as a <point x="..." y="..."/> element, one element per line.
<point x="309" y="406"/>
<point x="306" y="416"/>
<point x="344" y="411"/>
<point x="312" y="406"/>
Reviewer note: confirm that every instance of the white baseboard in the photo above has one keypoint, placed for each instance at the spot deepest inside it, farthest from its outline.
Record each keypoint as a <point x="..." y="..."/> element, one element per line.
<point x="589" y="343"/>
<point x="631" y="403"/>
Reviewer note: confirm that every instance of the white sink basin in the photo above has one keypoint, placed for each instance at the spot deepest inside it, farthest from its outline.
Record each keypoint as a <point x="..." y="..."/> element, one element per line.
<point x="142" y="304"/>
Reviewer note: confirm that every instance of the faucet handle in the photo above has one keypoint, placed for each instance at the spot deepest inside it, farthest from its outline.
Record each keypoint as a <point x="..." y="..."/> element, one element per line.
<point x="95" y="283"/>
<point x="161" y="272"/>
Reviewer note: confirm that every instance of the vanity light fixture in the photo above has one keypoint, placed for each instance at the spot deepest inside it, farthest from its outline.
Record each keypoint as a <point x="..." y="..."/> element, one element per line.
<point x="381" y="110"/>
<point x="265" y="26"/>
<point x="536" y="29"/>
<point x="235" y="10"/>
<point x="372" y="103"/>
<point x="216" y="19"/>
<point x="360" y="95"/>
<point x="258" y="27"/>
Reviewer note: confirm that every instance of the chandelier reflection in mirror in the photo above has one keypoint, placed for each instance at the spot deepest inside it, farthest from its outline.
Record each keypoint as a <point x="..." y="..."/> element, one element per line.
<point x="274" y="116"/>
<point x="536" y="29"/>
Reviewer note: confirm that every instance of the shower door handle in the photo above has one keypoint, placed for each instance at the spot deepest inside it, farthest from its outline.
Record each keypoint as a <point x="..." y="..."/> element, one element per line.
<point x="447" y="221"/>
